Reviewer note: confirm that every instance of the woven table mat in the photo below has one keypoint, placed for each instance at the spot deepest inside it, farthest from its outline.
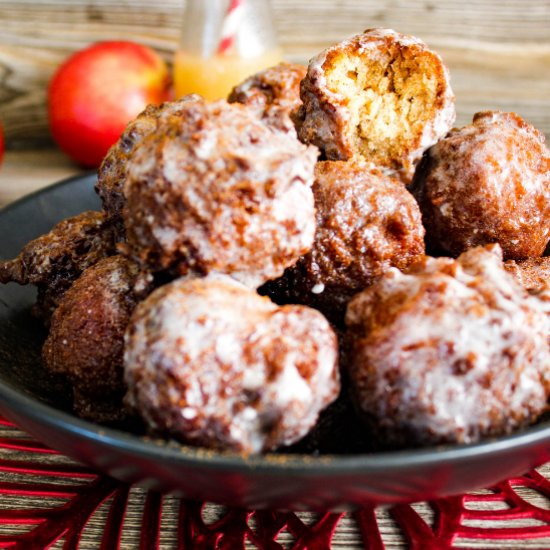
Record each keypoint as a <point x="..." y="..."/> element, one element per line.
<point x="49" y="501"/>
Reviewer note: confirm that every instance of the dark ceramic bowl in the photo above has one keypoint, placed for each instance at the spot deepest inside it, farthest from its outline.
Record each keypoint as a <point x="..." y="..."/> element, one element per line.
<point x="39" y="405"/>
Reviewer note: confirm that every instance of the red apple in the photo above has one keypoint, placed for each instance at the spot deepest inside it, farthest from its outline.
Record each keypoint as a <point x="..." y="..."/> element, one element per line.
<point x="97" y="91"/>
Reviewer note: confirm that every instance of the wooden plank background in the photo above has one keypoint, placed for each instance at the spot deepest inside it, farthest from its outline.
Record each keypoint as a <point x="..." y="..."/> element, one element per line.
<point x="498" y="50"/>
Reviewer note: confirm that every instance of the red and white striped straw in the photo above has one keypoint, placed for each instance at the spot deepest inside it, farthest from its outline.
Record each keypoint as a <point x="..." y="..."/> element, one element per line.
<point x="230" y="25"/>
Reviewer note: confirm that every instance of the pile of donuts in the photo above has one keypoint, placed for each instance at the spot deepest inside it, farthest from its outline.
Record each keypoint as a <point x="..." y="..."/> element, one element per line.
<point x="324" y="231"/>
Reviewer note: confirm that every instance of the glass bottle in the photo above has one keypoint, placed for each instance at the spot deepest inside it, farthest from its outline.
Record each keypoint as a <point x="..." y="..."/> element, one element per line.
<point x="222" y="43"/>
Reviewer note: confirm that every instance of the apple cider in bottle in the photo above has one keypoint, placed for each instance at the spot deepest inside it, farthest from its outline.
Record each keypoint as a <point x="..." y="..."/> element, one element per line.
<point x="223" y="42"/>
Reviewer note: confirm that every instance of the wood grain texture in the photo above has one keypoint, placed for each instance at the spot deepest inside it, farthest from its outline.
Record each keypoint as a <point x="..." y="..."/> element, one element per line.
<point x="25" y="171"/>
<point x="498" y="50"/>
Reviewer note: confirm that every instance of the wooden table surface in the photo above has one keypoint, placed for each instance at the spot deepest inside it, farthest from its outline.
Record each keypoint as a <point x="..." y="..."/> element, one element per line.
<point x="23" y="172"/>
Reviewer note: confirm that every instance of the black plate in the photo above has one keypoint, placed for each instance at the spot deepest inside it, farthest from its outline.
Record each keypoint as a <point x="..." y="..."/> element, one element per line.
<point x="32" y="400"/>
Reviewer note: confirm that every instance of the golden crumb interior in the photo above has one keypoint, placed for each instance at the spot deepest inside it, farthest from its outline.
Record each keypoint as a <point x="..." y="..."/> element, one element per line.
<point x="391" y="97"/>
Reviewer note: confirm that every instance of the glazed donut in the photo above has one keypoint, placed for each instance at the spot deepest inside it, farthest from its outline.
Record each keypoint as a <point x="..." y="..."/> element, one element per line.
<point x="86" y="337"/>
<point x="217" y="190"/>
<point x="274" y="93"/>
<point x="449" y="352"/>
<point x="488" y="182"/>
<point x="212" y="363"/>
<point x="367" y="222"/>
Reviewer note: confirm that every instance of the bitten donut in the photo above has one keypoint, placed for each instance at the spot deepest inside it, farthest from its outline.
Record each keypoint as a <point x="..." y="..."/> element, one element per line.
<point x="450" y="351"/>
<point x="381" y="96"/>
<point x="274" y="93"/>
<point x="367" y="222"/>
<point x="488" y="182"/>
<point x="86" y="337"/>
<point x="212" y="363"/>
<point x="219" y="191"/>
